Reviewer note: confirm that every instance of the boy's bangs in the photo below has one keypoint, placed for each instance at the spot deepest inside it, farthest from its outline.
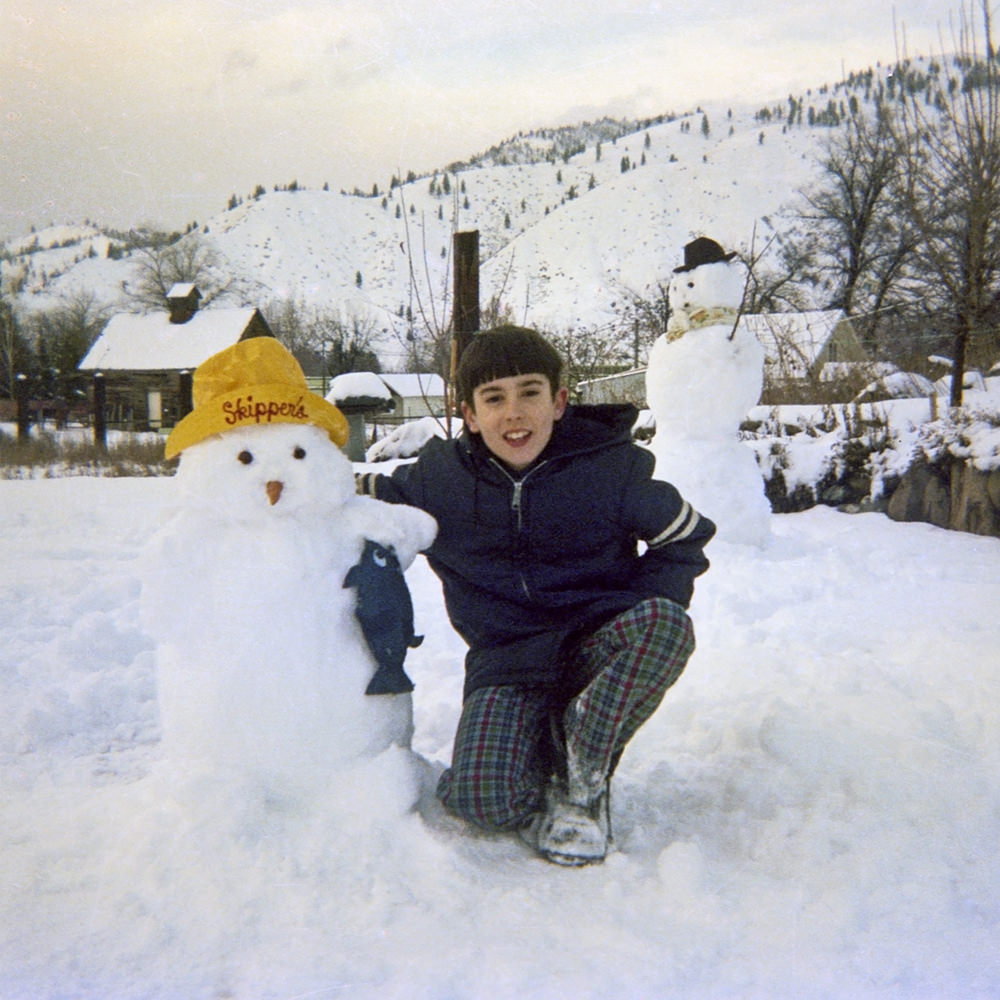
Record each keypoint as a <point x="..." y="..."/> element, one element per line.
<point x="505" y="352"/>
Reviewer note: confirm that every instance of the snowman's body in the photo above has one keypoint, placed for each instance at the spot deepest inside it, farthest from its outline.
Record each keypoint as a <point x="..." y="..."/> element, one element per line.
<point x="262" y="667"/>
<point x="701" y="381"/>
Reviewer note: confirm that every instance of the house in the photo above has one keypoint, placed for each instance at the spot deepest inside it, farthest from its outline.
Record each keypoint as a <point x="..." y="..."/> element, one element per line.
<point x="798" y="348"/>
<point x="414" y="395"/>
<point x="147" y="360"/>
<point x="622" y="387"/>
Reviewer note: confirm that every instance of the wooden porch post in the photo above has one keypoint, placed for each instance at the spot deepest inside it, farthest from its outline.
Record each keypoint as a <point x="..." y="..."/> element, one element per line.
<point x="100" y="419"/>
<point x="185" y="381"/>
<point x="23" y="410"/>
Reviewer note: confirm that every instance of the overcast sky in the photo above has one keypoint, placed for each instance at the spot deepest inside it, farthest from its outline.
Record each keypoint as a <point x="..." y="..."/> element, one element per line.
<point x="155" y="111"/>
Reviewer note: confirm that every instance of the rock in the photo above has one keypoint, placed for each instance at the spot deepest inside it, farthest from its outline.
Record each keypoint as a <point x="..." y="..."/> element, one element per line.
<point x="952" y="495"/>
<point x="923" y="494"/>
<point x="973" y="503"/>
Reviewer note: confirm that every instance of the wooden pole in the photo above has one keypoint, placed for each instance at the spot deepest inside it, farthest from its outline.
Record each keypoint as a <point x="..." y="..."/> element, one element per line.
<point x="23" y="410"/>
<point x="465" y="319"/>
<point x="100" y="419"/>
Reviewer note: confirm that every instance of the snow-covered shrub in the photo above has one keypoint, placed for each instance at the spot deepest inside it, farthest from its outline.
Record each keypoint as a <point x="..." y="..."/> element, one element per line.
<point x="968" y="435"/>
<point x="971" y="434"/>
<point x="826" y="459"/>
<point x="407" y="439"/>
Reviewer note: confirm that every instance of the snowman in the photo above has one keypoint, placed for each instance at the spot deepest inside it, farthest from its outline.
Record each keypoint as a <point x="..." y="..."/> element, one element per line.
<point x="704" y="375"/>
<point x="262" y="665"/>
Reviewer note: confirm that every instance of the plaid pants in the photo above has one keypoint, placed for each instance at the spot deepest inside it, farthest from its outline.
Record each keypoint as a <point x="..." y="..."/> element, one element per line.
<point x="504" y="754"/>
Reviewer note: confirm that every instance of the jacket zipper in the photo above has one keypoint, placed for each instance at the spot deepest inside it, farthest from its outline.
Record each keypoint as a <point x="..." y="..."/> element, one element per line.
<point x="515" y="505"/>
<point x="515" y="502"/>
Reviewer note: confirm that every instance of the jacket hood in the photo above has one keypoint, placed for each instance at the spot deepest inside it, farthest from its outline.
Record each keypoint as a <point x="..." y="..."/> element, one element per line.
<point x="589" y="427"/>
<point x="611" y="421"/>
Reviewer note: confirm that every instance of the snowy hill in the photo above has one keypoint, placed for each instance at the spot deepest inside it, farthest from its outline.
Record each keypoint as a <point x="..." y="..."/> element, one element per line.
<point x="570" y="221"/>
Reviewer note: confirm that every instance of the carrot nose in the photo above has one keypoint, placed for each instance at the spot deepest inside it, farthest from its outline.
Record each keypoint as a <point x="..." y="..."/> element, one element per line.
<point x="274" y="488"/>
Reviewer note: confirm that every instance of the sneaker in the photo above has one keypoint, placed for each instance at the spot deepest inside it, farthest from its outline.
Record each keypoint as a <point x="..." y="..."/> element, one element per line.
<point x="567" y="833"/>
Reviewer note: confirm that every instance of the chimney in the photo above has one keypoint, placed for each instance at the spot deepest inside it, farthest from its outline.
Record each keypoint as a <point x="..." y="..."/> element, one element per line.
<point x="182" y="301"/>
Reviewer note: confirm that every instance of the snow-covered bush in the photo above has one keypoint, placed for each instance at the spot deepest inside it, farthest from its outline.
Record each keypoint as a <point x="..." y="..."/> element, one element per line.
<point x="828" y="458"/>
<point x="971" y="434"/>
<point x="407" y="439"/>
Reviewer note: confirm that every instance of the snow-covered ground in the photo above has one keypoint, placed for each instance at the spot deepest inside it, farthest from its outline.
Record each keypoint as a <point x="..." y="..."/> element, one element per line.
<point x="814" y="811"/>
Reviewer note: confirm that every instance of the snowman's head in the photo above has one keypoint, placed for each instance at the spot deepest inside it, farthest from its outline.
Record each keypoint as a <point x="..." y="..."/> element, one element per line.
<point x="708" y="286"/>
<point x="271" y="471"/>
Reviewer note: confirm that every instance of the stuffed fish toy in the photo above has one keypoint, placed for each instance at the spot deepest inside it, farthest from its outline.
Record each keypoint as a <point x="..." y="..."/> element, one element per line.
<point x="385" y="612"/>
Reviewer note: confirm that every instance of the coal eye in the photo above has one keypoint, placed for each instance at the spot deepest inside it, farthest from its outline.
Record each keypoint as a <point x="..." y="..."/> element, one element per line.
<point x="690" y="284"/>
<point x="299" y="452"/>
<point x="245" y="457"/>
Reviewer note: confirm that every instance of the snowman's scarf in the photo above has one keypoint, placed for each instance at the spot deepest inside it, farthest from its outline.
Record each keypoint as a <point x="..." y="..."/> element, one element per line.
<point x="680" y="322"/>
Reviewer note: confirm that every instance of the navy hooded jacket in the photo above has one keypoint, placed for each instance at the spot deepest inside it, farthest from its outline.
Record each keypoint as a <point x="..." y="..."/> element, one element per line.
<point x="532" y="562"/>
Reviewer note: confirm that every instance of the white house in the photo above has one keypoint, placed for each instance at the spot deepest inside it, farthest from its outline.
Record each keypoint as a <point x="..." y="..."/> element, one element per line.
<point x="415" y="395"/>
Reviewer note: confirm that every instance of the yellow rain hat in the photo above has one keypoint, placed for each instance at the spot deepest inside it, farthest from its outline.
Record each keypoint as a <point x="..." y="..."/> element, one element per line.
<point x="254" y="382"/>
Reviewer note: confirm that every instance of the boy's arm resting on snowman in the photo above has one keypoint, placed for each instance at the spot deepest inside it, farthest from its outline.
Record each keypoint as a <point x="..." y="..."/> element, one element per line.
<point x="378" y="495"/>
<point x="674" y="532"/>
<point x="405" y="485"/>
<point x="405" y="529"/>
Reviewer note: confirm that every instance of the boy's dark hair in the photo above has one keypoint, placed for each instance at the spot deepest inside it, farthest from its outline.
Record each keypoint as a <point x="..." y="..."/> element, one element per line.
<point x="502" y="352"/>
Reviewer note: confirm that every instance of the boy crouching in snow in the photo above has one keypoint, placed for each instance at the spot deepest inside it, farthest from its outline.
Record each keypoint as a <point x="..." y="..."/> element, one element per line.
<point x="573" y="635"/>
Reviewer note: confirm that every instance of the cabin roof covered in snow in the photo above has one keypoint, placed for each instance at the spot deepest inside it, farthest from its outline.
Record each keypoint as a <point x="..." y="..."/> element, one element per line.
<point x="150" y="342"/>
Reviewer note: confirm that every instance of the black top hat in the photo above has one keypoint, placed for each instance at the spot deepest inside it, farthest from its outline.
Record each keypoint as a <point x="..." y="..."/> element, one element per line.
<point x="703" y="251"/>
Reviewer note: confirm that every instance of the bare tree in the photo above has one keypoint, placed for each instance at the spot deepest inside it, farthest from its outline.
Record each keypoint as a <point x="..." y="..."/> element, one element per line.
<point x="589" y="352"/>
<point x="644" y="317"/>
<point x="340" y="343"/>
<point x="949" y="152"/>
<point x="161" y="265"/>
<point x="63" y="335"/>
<point x="857" y="242"/>
<point x="15" y="355"/>
<point x="428" y="328"/>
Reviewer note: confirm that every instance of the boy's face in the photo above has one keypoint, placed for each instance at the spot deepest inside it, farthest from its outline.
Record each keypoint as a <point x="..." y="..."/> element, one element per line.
<point x="515" y="416"/>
